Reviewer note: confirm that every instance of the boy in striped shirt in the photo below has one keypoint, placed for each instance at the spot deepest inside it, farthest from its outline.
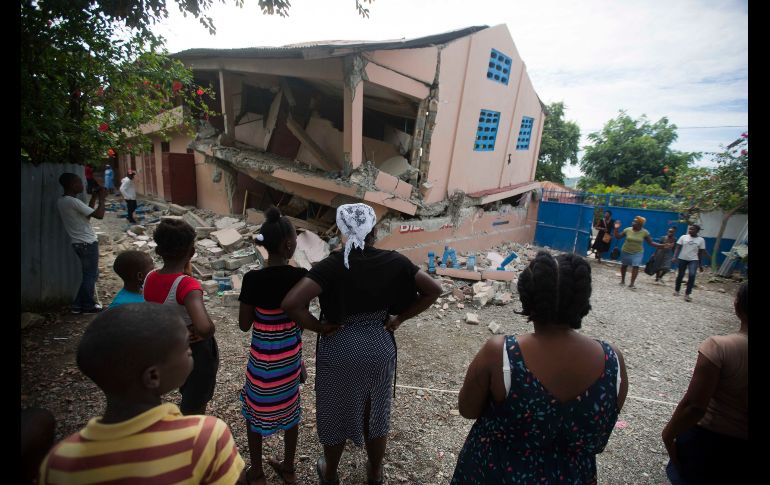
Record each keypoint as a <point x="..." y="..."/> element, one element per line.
<point x="136" y="353"/>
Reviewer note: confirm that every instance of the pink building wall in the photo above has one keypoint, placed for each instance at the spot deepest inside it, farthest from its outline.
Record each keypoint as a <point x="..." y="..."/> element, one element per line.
<point x="418" y="63"/>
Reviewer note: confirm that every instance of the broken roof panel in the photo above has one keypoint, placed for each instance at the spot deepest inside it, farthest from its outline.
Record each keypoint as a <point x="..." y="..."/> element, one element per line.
<point x="328" y="48"/>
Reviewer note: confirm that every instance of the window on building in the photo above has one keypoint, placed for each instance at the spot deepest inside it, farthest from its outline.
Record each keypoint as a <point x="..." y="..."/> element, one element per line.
<point x="486" y="133"/>
<point x="499" y="68"/>
<point x="524" y="133"/>
<point x="165" y="147"/>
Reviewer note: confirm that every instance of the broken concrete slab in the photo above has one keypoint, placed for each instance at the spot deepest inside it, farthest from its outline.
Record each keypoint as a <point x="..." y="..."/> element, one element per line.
<point x="315" y="248"/>
<point x="237" y="281"/>
<point x="458" y="294"/>
<point x="226" y="222"/>
<point x="233" y="263"/>
<point x="177" y="210"/>
<point x="206" y="243"/>
<point x="472" y="319"/>
<point x="204" y="231"/>
<point x="495" y="259"/>
<point x="494" y="327"/>
<point x="218" y="264"/>
<point x="481" y="299"/>
<point x="497" y="275"/>
<point x="215" y="251"/>
<point x="459" y="273"/>
<point x="230" y="298"/>
<point x="191" y="218"/>
<point x="502" y="298"/>
<point x="210" y="286"/>
<point x="480" y="287"/>
<point x="172" y="217"/>
<point x="138" y="230"/>
<point x="201" y="273"/>
<point x="255" y="217"/>
<point x="230" y="239"/>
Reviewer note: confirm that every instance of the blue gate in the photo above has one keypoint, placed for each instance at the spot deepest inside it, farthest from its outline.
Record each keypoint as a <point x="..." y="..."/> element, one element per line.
<point x="565" y="219"/>
<point x="564" y="226"/>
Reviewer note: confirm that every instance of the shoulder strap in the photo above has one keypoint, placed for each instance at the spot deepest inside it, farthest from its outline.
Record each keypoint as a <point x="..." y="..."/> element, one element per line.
<point x="172" y="292"/>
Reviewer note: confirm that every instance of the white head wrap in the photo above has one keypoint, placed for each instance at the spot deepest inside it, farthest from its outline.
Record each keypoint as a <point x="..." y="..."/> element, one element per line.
<point x="355" y="221"/>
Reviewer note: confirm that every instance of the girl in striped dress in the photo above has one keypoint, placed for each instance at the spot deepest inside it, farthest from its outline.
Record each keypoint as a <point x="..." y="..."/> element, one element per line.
<point x="270" y="395"/>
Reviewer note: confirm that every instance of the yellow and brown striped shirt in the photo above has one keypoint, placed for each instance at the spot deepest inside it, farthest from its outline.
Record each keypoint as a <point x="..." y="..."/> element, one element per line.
<point x="160" y="446"/>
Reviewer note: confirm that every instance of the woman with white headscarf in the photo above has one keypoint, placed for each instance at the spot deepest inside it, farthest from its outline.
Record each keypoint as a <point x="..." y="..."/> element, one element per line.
<point x="371" y="292"/>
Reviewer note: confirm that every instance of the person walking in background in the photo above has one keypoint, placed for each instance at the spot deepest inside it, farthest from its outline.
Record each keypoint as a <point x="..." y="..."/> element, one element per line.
<point x="109" y="179"/>
<point x="91" y="183"/>
<point x="632" y="252"/>
<point x="707" y="436"/>
<point x="370" y="292"/>
<point x="603" y="237"/>
<point x="75" y="215"/>
<point x="689" y="254"/>
<point x="128" y="190"/>
<point x="545" y="403"/>
<point x="660" y="262"/>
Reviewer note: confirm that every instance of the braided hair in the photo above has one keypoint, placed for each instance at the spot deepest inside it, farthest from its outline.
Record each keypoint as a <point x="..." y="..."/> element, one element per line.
<point x="274" y="230"/>
<point x="556" y="290"/>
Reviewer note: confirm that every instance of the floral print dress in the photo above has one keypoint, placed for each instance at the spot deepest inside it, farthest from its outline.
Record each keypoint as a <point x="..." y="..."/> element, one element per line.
<point x="532" y="437"/>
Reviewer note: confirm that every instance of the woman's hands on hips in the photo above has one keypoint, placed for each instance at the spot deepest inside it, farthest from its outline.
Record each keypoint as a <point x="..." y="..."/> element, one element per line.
<point x="393" y="323"/>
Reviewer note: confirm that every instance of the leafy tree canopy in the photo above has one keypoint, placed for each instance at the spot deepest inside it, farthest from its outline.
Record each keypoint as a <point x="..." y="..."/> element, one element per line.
<point x="559" y="146"/>
<point x="92" y="73"/>
<point x="626" y="151"/>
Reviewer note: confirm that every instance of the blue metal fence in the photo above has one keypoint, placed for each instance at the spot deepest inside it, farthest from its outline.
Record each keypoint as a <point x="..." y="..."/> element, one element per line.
<point x="565" y="219"/>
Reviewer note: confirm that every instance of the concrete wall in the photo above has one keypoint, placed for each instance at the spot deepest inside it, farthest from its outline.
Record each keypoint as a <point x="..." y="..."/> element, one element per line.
<point x="474" y="171"/>
<point x="417" y="63"/>
<point x="710" y="223"/>
<point x="212" y="196"/>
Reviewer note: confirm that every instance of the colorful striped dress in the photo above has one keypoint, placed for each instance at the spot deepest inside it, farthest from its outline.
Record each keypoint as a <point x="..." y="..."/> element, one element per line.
<point x="270" y="395"/>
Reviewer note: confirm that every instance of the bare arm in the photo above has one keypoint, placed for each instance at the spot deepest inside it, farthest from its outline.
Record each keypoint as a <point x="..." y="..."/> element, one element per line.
<point x="693" y="405"/>
<point x="619" y="235"/>
<point x="429" y="291"/>
<point x="475" y="392"/>
<point x="296" y="304"/>
<point x="201" y="320"/>
<point x="245" y="317"/>
<point x="677" y="248"/>
<point x="623" y="379"/>
<point x="653" y="243"/>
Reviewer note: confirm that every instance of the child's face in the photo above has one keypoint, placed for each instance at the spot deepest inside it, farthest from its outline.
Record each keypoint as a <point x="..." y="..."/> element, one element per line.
<point x="178" y="364"/>
<point x="147" y="267"/>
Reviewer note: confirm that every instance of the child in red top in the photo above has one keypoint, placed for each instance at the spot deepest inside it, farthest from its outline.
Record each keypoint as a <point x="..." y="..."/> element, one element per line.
<point x="174" y="285"/>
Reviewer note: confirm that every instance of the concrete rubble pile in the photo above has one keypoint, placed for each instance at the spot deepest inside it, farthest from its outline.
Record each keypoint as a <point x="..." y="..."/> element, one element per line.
<point x="224" y="246"/>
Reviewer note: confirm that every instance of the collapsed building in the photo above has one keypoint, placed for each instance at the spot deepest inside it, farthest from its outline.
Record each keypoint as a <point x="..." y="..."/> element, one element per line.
<point x="439" y="134"/>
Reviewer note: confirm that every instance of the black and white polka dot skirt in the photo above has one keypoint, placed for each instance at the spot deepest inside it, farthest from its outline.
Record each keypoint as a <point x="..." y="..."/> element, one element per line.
<point x="352" y="366"/>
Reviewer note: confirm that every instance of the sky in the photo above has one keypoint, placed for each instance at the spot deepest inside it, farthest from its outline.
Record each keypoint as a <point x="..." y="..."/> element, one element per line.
<point x="686" y="60"/>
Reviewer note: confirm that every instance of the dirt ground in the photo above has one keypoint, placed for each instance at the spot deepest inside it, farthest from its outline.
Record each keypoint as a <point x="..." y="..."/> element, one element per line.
<point x="657" y="333"/>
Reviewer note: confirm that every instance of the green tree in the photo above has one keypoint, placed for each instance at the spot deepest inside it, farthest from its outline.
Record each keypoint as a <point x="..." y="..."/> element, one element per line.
<point x="722" y="188"/>
<point x="93" y="72"/>
<point x="559" y="146"/>
<point x="627" y="151"/>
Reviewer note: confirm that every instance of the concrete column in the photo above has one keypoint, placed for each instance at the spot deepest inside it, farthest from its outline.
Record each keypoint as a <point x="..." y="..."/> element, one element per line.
<point x="226" y="93"/>
<point x="352" y="141"/>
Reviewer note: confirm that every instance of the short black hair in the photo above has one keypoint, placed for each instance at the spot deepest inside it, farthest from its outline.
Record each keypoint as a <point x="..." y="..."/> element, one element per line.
<point x="556" y="290"/>
<point x="695" y="226"/>
<point x="128" y="263"/>
<point x="174" y="238"/>
<point x="123" y="341"/>
<point x="274" y="230"/>
<point x="66" y="179"/>
<point x="608" y="212"/>
<point x="743" y="298"/>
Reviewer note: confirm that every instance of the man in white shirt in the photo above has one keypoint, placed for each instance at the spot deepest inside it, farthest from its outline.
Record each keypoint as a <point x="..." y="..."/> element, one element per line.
<point x="128" y="190"/>
<point x="75" y="216"/>
<point x="689" y="253"/>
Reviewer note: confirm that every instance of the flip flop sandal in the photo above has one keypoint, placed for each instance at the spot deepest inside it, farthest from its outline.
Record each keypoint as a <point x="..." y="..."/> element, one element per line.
<point x="319" y="469"/>
<point x="281" y="471"/>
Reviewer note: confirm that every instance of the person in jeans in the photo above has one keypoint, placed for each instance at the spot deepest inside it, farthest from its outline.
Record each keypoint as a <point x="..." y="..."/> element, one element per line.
<point x="75" y="216"/>
<point x="690" y="251"/>
<point x="128" y="190"/>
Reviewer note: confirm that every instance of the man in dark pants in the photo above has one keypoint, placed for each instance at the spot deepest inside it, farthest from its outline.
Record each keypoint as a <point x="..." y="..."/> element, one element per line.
<point x="690" y="251"/>
<point x="75" y="216"/>
<point x="128" y="190"/>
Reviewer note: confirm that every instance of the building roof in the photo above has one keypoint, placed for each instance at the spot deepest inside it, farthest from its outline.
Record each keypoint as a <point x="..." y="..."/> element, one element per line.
<point x="327" y="48"/>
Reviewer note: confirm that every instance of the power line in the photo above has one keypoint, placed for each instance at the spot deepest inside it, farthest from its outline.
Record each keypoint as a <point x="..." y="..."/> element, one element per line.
<point x="694" y="127"/>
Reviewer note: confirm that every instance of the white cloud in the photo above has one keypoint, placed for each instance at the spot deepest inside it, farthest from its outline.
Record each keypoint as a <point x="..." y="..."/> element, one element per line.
<point x="684" y="59"/>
